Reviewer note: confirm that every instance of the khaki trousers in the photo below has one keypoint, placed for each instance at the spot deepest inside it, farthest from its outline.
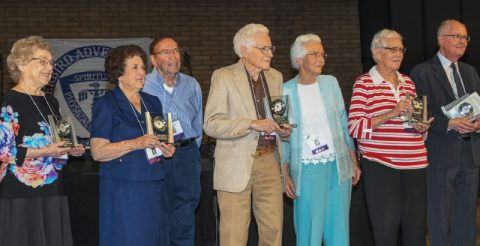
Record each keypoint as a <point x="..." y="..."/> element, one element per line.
<point x="264" y="194"/>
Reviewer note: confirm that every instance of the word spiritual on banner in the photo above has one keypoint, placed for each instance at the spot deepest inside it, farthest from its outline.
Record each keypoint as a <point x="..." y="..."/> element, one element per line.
<point x="79" y="75"/>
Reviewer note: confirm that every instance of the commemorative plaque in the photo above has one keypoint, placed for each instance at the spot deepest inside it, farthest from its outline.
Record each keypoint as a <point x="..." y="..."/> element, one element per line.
<point x="278" y="109"/>
<point x="158" y="126"/>
<point x="419" y="113"/>
<point x="63" y="130"/>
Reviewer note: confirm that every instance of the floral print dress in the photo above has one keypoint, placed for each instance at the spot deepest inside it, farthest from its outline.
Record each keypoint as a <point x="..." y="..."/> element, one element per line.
<point x="33" y="210"/>
<point x="22" y="126"/>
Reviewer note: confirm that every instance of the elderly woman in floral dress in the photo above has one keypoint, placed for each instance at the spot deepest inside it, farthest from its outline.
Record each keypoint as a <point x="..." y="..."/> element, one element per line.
<point x="33" y="209"/>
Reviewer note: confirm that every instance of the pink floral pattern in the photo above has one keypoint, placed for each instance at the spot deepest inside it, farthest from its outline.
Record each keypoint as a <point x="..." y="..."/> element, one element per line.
<point x="8" y="130"/>
<point x="34" y="172"/>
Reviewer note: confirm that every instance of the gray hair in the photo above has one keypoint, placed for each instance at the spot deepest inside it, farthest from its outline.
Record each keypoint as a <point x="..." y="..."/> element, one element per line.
<point x="22" y="51"/>
<point x="243" y="38"/>
<point x="380" y="37"/>
<point x="298" y="50"/>
<point x="378" y="40"/>
<point x="443" y="27"/>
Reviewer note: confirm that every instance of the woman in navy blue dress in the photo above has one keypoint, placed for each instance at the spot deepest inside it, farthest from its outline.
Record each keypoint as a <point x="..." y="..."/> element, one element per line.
<point x="133" y="202"/>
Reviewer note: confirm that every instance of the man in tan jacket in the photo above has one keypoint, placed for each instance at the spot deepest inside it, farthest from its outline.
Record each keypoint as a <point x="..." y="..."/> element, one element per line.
<point x="247" y="162"/>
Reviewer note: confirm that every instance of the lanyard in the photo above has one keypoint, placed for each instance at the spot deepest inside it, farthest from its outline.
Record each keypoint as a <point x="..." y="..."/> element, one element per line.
<point x="134" y="112"/>
<point x="36" y="106"/>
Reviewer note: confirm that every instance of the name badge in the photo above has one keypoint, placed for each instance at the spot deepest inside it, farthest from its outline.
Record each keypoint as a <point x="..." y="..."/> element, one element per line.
<point x="61" y="159"/>
<point x="153" y="155"/>
<point x="316" y="145"/>
<point x="178" y="133"/>
<point x="408" y="127"/>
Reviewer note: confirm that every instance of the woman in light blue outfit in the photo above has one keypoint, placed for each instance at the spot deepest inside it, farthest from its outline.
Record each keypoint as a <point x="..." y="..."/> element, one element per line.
<point x="319" y="159"/>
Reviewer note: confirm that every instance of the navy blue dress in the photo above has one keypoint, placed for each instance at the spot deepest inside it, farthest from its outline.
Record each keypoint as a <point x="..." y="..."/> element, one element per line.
<point x="133" y="201"/>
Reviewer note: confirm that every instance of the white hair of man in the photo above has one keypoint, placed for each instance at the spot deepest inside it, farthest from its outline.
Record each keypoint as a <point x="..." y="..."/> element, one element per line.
<point x="243" y="38"/>
<point x="379" y="40"/>
<point x="298" y="51"/>
<point x="444" y="27"/>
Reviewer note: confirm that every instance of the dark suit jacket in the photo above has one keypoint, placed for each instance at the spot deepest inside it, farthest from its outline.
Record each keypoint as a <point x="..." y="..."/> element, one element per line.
<point x="444" y="146"/>
<point x="113" y="120"/>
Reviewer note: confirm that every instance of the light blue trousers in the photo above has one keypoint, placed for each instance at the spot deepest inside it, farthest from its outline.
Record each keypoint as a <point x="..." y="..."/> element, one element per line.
<point x="321" y="212"/>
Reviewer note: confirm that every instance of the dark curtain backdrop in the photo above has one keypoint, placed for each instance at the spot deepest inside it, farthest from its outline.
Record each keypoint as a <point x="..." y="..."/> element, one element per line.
<point x="417" y="21"/>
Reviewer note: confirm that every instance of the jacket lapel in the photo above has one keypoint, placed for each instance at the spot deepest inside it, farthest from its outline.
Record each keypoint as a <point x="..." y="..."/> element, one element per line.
<point x="441" y="77"/>
<point x="466" y="80"/>
<point x="243" y="86"/>
<point x="273" y="88"/>
<point x="123" y="103"/>
<point x="327" y="97"/>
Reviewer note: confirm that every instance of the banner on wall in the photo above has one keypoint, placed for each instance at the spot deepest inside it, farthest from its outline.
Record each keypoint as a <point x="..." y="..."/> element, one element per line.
<point x="79" y="75"/>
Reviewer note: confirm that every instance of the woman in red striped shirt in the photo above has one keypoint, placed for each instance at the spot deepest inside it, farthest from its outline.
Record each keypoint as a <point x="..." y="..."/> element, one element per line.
<point x="394" y="156"/>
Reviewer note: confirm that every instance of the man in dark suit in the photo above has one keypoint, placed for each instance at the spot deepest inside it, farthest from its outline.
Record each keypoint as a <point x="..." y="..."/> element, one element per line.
<point x="453" y="144"/>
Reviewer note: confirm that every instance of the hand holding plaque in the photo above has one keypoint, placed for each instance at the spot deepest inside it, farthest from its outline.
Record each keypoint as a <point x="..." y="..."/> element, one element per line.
<point x="419" y="113"/>
<point x="63" y="130"/>
<point x="278" y="109"/>
<point x="162" y="129"/>
<point x="158" y="126"/>
<point x="468" y="105"/>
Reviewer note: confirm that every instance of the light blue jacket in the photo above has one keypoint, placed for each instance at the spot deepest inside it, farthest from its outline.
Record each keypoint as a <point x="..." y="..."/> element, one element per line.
<point x="337" y="120"/>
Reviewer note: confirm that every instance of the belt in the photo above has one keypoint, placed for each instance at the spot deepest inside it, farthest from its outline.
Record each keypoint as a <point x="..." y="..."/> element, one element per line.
<point x="184" y="142"/>
<point x="264" y="150"/>
<point x="466" y="137"/>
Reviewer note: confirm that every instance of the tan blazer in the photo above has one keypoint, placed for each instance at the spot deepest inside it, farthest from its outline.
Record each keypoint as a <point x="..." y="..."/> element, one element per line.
<point x="228" y="114"/>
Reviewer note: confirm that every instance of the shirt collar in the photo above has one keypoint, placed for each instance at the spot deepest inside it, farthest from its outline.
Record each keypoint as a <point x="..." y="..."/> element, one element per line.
<point x="444" y="61"/>
<point x="378" y="79"/>
<point x="161" y="80"/>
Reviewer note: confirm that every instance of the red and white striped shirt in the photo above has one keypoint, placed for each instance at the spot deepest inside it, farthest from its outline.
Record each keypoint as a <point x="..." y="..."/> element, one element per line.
<point x="389" y="143"/>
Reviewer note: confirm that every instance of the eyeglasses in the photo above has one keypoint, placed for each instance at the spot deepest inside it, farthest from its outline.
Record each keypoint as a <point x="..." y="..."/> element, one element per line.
<point x="167" y="52"/>
<point x="458" y="37"/>
<point x="395" y="49"/>
<point x="266" y="49"/>
<point x="317" y="54"/>
<point x="44" y="61"/>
